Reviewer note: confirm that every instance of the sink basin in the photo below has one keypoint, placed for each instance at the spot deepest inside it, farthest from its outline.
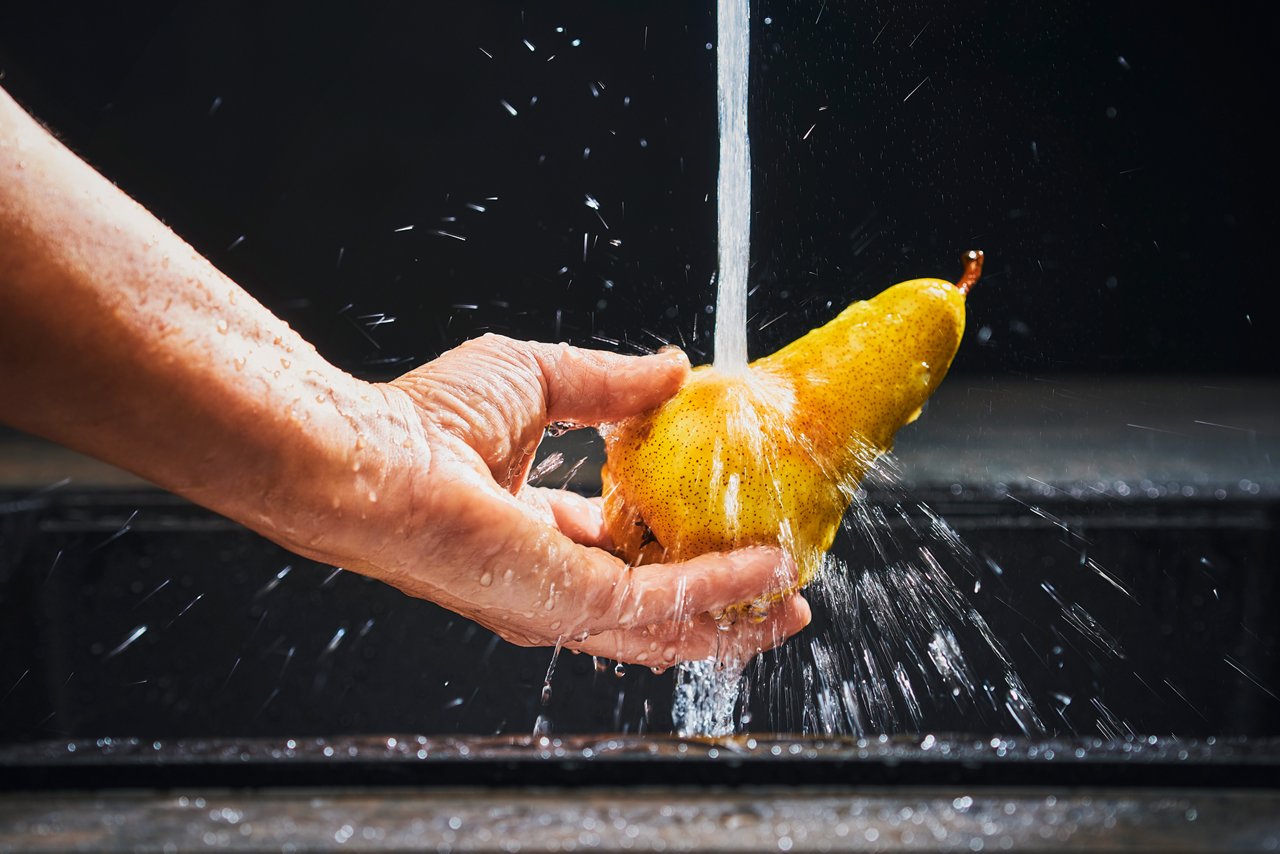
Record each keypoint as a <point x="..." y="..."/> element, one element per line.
<point x="137" y="614"/>
<point x="1036" y="630"/>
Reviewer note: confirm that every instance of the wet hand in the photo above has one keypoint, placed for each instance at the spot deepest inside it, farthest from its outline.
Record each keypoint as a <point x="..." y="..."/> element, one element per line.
<point x="533" y="564"/>
<point x="159" y="363"/>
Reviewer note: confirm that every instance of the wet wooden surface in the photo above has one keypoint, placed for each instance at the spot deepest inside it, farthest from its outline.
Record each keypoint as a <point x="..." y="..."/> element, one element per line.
<point x="643" y="820"/>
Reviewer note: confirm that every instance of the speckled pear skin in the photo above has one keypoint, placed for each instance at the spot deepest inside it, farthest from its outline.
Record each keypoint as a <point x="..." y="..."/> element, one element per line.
<point x="774" y="454"/>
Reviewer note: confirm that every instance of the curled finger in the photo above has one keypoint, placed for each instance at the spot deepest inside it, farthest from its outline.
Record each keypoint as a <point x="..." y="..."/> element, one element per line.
<point x="676" y="592"/>
<point x="663" y="645"/>
<point x="579" y="518"/>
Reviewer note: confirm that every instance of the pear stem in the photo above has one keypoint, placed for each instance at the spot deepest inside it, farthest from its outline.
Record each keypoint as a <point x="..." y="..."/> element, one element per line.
<point x="972" y="261"/>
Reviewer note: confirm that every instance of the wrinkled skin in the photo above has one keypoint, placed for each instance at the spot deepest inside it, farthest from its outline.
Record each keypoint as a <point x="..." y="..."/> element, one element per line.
<point x="533" y="564"/>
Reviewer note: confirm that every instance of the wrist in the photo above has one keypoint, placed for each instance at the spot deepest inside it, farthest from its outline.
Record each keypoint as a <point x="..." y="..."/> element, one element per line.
<point x="345" y="459"/>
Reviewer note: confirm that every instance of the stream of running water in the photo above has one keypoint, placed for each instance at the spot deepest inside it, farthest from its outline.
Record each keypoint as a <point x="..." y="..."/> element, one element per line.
<point x="895" y="626"/>
<point x="707" y="691"/>
<point x="733" y="199"/>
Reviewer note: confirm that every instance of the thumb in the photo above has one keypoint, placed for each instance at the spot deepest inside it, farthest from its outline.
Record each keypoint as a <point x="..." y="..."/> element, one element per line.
<point x="593" y="386"/>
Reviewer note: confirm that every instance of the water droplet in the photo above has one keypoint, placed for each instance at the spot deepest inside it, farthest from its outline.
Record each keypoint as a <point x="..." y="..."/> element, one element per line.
<point x="619" y="670"/>
<point x="285" y="363"/>
<point x="486" y="578"/>
<point x="222" y="326"/>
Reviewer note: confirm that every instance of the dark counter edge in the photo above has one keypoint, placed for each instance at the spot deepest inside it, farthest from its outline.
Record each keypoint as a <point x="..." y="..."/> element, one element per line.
<point x="667" y="761"/>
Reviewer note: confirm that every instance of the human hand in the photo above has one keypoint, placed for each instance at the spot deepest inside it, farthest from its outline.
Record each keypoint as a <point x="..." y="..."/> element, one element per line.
<point x="532" y="564"/>
<point x="158" y="363"/>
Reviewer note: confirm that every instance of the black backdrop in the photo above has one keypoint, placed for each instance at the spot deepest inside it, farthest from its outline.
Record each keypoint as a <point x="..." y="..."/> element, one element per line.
<point x="1111" y="158"/>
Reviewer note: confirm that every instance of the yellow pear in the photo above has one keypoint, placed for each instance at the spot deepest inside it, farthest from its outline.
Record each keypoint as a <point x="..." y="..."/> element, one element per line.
<point x="772" y="454"/>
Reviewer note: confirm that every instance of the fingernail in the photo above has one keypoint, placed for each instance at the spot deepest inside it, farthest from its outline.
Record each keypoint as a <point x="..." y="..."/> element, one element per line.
<point x="726" y="618"/>
<point x="672" y="353"/>
<point x="804" y="611"/>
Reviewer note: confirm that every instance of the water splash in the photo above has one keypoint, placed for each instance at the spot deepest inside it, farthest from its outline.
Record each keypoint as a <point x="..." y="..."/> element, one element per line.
<point x="896" y="640"/>
<point x="706" y="698"/>
<point x="902" y="633"/>
<point x="127" y="642"/>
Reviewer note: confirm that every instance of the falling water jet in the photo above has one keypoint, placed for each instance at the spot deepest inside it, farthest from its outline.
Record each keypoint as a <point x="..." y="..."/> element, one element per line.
<point x="855" y="681"/>
<point x="542" y="726"/>
<point x="733" y="198"/>
<point x="707" y="691"/>
<point x="706" y="698"/>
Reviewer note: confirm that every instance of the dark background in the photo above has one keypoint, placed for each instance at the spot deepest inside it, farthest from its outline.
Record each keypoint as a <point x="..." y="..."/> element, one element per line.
<point x="1111" y="158"/>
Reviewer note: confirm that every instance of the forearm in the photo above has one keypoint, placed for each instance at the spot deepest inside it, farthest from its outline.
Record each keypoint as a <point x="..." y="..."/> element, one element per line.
<point x="119" y="340"/>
